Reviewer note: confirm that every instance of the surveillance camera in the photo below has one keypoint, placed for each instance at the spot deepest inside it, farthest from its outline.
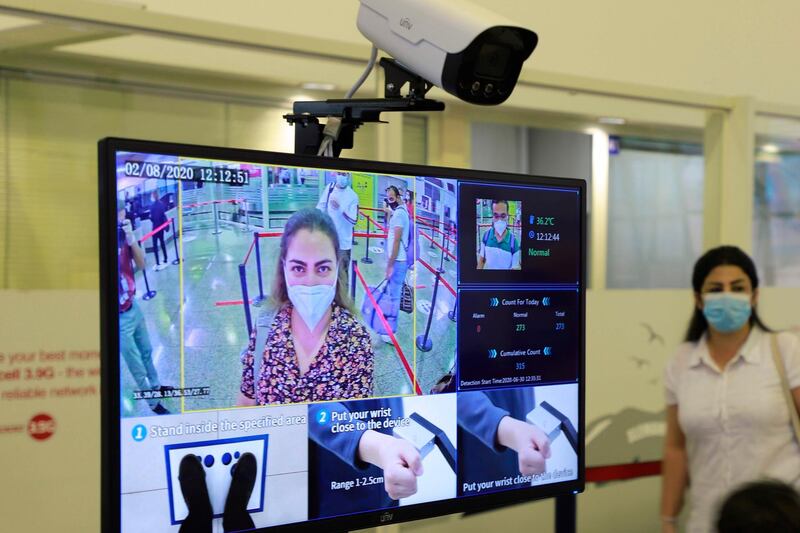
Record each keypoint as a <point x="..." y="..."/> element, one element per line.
<point x="465" y="49"/>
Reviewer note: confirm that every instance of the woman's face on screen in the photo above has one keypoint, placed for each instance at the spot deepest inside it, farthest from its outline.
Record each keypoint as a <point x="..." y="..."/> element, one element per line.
<point x="310" y="259"/>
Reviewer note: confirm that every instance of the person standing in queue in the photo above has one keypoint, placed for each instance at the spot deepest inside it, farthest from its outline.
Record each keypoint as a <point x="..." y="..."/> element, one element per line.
<point x="399" y="226"/>
<point x="340" y="202"/>
<point x="157" y="218"/>
<point x="413" y="248"/>
<point x="134" y="340"/>
<point x="314" y="348"/>
<point x="728" y="418"/>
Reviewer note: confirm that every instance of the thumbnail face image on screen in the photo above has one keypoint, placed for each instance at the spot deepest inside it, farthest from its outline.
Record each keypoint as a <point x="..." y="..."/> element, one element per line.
<point x="301" y="343"/>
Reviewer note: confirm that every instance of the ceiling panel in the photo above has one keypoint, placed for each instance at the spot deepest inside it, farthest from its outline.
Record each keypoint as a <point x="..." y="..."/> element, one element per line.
<point x="8" y="22"/>
<point x="323" y="18"/>
<point x="275" y="67"/>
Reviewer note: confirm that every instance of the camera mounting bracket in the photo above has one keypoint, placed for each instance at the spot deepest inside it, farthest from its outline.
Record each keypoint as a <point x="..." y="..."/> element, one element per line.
<point x="347" y="115"/>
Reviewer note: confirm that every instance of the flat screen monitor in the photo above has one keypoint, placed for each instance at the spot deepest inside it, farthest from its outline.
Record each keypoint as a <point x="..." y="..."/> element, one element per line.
<point x="300" y="342"/>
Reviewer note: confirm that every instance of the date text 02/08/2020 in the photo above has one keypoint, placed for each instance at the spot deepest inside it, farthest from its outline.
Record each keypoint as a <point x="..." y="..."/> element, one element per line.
<point x="187" y="173"/>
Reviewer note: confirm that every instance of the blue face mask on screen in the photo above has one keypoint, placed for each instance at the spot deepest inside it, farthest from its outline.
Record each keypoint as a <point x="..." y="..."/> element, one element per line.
<point x="727" y="312"/>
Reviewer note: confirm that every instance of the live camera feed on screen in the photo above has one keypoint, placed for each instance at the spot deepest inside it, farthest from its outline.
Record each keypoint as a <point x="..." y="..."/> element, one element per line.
<point x="307" y="343"/>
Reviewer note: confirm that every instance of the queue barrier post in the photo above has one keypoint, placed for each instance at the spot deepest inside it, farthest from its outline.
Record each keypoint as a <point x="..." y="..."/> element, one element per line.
<point x="149" y="294"/>
<point x="442" y="259"/>
<point x="177" y="259"/>
<point x="245" y="299"/>
<point x="424" y="343"/>
<point x="353" y="267"/>
<point x="260" y="297"/>
<point x="367" y="259"/>
<point x="246" y="215"/>
<point x="453" y="313"/>
<point x="446" y="245"/>
<point x="566" y="513"/>
<point x="216" y="231"/>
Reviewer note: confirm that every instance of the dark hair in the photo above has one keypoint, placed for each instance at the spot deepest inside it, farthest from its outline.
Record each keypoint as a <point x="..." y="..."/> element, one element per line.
<point x="763" y="506"/>
<point x="504" y="202"/>
<point x="310" y="219"/>
<point x="722" y="255"/>
<point x="395" y="189"/>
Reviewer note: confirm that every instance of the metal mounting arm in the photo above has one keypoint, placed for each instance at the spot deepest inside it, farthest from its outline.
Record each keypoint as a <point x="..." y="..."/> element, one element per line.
<point x="350" y="114"/>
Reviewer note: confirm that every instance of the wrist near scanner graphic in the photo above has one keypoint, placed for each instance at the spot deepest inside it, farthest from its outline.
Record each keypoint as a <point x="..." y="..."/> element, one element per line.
<point x="425" y="436"/>
<point x="553" y="422"/>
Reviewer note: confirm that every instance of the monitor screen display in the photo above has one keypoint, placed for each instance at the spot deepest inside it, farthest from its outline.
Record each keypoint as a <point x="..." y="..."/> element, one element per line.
<point x="295" y="341"/>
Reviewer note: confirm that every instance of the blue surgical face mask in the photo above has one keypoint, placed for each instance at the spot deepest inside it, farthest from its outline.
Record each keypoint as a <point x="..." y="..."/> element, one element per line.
<point x="341" y="181"/>
<point x="727" y="312"/>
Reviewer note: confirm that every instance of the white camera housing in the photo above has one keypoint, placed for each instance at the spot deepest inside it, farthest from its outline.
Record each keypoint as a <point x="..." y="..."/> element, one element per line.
<point x="465" y="49"/>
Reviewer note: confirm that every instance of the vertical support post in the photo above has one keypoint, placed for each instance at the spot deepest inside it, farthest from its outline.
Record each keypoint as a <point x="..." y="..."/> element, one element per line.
<point x="260" y="297"/>
<point x="216" y="231"/>
<point x="353" y="266"/>
<point x="149" y="294"/>
<point x="441" y="260"/>
<point x="566" y="513"/>
<point x="446" y="244"/>
<point x="424" y="343"/>
<point x="367" y="260"/>
<point x="599" y="209"/>
<point x="177" y="259"/>
<point x="729" y="178"/>
<point x="245" y="299"/>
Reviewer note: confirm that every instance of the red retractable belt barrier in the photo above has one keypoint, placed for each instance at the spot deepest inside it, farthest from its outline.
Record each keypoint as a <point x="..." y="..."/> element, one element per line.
<point x="382" y="318"/>
<point x="153" y="232"/>
<point x="433" y="271"/>
<point x="599" y="474"/>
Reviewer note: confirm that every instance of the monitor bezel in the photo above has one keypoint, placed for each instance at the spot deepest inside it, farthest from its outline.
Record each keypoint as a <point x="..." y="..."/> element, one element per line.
<point x="111" y="497"/>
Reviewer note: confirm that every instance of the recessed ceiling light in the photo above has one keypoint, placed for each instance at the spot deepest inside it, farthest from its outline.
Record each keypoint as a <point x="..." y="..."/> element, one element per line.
<point x="616" y="121"/>
<point x="318" y="86"/>
<point x="770" y="148"/>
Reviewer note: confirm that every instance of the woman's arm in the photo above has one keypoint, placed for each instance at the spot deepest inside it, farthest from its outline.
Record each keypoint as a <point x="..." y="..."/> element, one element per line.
<point x="245" y="400"/>
<point x="674" y="476"/>
<point x="360" y="363"/>
<point x="247" y="389"/>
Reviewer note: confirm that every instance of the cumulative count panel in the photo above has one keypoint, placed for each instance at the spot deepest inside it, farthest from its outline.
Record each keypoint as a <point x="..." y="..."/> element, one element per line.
<point x="508" y="338"/>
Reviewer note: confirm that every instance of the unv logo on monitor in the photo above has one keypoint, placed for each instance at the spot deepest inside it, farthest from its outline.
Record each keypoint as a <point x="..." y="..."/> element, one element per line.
<point x="387" y="517"/>
<point x="405" y="22"/>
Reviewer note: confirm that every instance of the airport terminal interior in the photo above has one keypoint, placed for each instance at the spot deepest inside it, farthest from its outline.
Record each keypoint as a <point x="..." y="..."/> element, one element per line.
<point x="216" y="234"/>
<point x="683" y="120"/>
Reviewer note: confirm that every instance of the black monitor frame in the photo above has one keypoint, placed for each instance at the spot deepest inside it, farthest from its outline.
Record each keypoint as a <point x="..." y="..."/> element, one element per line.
<point x="109" y="328"/>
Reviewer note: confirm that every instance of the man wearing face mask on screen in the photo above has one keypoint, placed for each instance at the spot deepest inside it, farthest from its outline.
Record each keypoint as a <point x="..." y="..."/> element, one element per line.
<point x="340" y="202"/>
<point x="310" y="346"/>
<point x="499" y="248"/>
<point x="399" y="223"/>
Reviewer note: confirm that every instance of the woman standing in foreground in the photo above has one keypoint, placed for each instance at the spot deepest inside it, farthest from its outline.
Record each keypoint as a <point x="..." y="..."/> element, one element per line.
<point x="728" y="420"/>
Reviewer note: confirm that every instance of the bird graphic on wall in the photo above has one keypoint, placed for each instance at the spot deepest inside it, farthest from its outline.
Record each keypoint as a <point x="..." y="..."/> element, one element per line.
<point x="640" y="361"/>
<point x="653" y="335"/>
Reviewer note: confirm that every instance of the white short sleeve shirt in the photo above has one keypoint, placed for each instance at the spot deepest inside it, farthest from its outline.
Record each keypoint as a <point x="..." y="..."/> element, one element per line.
<point x="736" y="421"/>
<point x="399" y="219"/>
<point x="344" y="216"/>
